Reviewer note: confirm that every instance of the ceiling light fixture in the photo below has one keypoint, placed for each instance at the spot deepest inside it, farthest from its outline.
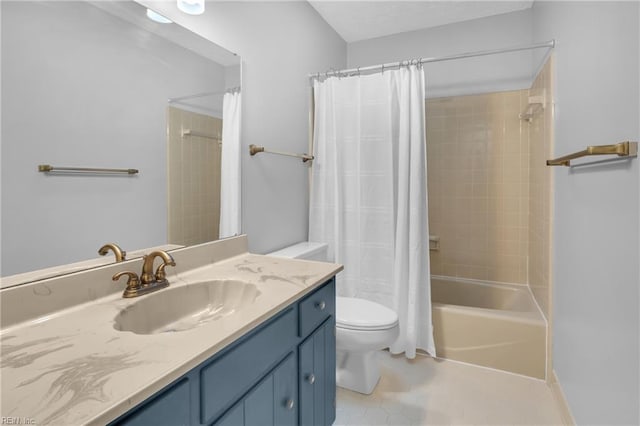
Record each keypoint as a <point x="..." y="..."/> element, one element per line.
<point x="156" y="17"/>
<point x="192" y="7"/>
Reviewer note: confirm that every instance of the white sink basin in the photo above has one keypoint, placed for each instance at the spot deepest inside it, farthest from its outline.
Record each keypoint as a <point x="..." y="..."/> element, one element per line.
<point x="186" y="307"/>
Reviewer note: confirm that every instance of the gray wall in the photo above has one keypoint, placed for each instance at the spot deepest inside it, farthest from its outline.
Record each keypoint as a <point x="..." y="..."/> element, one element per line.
<point x="468" y="76"/>
<point x="280" y="43"/>
<point x="596" y="278"/>
<point x="83" y="88"/>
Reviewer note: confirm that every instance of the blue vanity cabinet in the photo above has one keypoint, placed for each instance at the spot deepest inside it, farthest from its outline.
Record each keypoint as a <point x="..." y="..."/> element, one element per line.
<point x="281" y="373"/>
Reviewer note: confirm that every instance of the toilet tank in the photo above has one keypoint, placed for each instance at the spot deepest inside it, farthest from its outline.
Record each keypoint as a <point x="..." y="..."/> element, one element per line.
<point x="304" y="250"/>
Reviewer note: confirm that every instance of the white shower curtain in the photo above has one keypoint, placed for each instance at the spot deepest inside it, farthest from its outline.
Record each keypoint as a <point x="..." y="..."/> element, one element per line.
<point x="230" y="184"/>
<point x="369" y="194"/>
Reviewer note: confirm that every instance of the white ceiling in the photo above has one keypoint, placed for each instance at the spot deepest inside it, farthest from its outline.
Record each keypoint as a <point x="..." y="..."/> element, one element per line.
<point x="361" y="20"/>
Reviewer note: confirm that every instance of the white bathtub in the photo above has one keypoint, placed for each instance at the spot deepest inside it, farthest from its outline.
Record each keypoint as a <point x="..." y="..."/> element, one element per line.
<point x="491" y="324"/>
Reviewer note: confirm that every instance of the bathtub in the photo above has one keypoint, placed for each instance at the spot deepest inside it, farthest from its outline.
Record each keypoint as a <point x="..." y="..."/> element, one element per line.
<point x="490" y="324"/>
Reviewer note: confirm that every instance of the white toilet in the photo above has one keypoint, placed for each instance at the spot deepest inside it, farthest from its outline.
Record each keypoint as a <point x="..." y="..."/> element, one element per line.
<point x="362" y="328"/>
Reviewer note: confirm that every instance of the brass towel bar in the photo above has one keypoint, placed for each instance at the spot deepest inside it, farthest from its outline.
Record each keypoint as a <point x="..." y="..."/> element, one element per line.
<point x="47" y="169"/>
<point x="622" y="149"/>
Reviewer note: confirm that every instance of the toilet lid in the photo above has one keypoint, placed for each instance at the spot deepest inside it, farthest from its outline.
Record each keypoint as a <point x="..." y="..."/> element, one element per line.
<point x="361" y="314"/>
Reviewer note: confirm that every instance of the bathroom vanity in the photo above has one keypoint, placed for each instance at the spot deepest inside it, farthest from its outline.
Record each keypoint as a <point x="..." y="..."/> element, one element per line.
<point x="281" y="373"/>
<point x="67" y="357"/>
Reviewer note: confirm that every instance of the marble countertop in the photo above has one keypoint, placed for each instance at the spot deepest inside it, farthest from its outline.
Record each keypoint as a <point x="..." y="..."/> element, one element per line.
<point x="73" y="367"/>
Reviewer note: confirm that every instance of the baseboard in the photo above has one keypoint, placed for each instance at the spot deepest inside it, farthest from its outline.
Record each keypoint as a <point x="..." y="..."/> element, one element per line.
<point x="563" y="406"/>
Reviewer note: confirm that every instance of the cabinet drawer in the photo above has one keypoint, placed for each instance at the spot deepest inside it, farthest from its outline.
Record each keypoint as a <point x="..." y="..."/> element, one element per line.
<point x="225" y="380"/>
<point x="317" y="307"/>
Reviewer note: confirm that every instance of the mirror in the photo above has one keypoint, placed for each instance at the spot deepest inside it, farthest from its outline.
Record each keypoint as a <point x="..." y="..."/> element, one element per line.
<point x="100" y="85"/>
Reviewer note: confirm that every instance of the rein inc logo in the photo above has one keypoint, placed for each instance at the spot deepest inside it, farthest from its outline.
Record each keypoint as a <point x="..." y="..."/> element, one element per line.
<point x="17" y="420"/>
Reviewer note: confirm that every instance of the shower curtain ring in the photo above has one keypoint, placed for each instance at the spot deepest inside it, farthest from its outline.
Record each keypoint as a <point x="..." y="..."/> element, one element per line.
<point x="358" y="70"/>
<point x="382" y="68"/>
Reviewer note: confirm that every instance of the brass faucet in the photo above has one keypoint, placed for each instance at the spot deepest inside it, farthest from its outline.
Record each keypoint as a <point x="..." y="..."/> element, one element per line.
<point x="117" y="251"/>
<point x="148" y="282"/>
<point x="148" y="277"/>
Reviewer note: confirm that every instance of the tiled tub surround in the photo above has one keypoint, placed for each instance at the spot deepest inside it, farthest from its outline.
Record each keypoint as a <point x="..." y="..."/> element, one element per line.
<point x="490" y="205"/>
<point x="478" y="171"/>
<point x="490" y="195"/>
<point x="64" y="363"/>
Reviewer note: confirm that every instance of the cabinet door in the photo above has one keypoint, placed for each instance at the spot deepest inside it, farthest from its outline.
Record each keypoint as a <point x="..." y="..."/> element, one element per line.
<point x="258" y="405"/>
<point x="285" y="387"/>
<point x="272" y="402"/>
<point x="317" y="361"/>
<point x="235" y="416"/>
<point x="330" y="371"/>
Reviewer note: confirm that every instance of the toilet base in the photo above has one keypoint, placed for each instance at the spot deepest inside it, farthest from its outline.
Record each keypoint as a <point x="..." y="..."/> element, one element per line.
<point x="357" y="371"/>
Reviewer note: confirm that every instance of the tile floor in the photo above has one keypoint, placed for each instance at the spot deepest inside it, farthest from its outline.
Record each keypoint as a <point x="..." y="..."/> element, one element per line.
<point x="425" y="391"/>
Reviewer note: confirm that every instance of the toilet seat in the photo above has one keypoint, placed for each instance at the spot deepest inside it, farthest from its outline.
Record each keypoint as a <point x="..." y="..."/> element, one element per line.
<point x="361" y="314"/>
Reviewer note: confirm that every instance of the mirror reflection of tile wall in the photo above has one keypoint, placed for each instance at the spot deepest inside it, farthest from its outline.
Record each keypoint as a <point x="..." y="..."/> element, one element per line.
<point x="193" y="177"/>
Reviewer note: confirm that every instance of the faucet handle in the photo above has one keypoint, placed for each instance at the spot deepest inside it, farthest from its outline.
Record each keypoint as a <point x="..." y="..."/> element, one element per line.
<point x="133" y="283"/>
<point x="161" y="275"/>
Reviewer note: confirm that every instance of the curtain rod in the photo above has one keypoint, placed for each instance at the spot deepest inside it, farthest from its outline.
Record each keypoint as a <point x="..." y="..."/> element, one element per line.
<point x="547" y="44"/>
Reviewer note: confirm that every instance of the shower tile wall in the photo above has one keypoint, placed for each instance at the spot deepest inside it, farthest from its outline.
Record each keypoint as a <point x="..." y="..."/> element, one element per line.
<point x="478" y="171"/>
<point x="194" y="178"/>
<point x="540" y="185"/>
